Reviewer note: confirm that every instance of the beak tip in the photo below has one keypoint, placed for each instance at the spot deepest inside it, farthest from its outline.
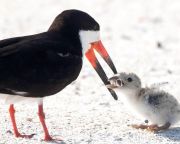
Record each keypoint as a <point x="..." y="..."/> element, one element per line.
<point x="94" y="62"/>
<point x="113" y="94"/>
<point x="115" y="97"/>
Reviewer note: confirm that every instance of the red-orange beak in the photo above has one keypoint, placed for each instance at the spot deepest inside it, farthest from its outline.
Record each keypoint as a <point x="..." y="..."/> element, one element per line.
<point x="98" y="46"/>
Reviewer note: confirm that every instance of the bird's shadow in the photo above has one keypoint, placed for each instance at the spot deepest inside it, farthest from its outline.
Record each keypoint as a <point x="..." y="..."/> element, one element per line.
<point x="172" y="134"/>
<point x="57" y="142"/>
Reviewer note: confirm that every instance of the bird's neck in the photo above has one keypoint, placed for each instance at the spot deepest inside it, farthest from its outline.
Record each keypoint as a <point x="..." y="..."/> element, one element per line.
<point x="129" y="94"/>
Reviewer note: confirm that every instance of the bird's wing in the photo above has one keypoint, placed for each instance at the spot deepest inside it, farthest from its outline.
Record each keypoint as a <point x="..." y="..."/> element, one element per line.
<point x="38" y="61"/>
<point x="10" y="45"/>
<point x="157" y="98"/>
<point x="31" y="43"/>
<point x="11" y="41"/>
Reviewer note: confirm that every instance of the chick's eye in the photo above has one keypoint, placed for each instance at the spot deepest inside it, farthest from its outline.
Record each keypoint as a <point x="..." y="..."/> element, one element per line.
<point x="129" y="79"/>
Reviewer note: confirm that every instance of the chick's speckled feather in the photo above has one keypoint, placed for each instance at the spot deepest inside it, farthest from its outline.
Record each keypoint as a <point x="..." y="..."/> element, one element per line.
<point x="159" y="102"/>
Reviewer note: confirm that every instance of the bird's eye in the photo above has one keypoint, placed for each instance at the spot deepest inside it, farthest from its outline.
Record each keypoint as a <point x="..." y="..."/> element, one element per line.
<point x="129" y="79"/>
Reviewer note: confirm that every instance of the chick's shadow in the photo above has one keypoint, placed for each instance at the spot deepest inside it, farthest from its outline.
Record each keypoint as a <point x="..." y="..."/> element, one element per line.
<point x="172" y="134"/>
<point x="57" y="142"/>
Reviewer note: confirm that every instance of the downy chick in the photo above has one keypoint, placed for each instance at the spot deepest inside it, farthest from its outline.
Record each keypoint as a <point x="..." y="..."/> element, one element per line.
<point x="156" y="106"/>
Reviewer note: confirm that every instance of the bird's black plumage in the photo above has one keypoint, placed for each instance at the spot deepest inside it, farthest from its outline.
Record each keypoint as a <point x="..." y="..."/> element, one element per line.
<point x="43" y="64"/>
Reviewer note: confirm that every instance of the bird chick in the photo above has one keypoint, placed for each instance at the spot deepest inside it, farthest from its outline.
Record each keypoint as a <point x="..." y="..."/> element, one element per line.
<point x="154" y="105"/>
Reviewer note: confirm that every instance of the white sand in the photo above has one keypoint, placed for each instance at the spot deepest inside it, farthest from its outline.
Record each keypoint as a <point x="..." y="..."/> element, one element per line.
<point x="85" y="113"/>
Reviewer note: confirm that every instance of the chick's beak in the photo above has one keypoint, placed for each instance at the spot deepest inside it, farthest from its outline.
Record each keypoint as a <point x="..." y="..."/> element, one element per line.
<point x="115" y="83"/>
<point x="98" y="46"/>
<point x="111" y="86"/>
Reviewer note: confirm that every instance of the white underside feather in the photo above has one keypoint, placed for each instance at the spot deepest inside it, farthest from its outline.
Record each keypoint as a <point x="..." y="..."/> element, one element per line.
<point x="12" y="99"/>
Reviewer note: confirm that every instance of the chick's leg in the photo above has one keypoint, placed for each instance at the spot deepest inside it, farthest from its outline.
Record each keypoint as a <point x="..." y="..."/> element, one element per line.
<point x="141" y="126"/>
<point x="156" y="128"/>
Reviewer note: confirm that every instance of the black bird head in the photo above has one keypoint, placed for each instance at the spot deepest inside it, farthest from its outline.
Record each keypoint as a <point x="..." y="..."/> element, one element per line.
<point x="81" y="26"/>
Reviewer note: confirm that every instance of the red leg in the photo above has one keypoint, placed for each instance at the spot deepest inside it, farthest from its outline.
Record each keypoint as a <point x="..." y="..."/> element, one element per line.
<point x="12" y="116"/>
<point x="41" y="114"/>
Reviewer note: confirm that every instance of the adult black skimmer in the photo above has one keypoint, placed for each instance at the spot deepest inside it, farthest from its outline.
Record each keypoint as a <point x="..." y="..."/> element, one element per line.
<point x="43" y="64"/>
